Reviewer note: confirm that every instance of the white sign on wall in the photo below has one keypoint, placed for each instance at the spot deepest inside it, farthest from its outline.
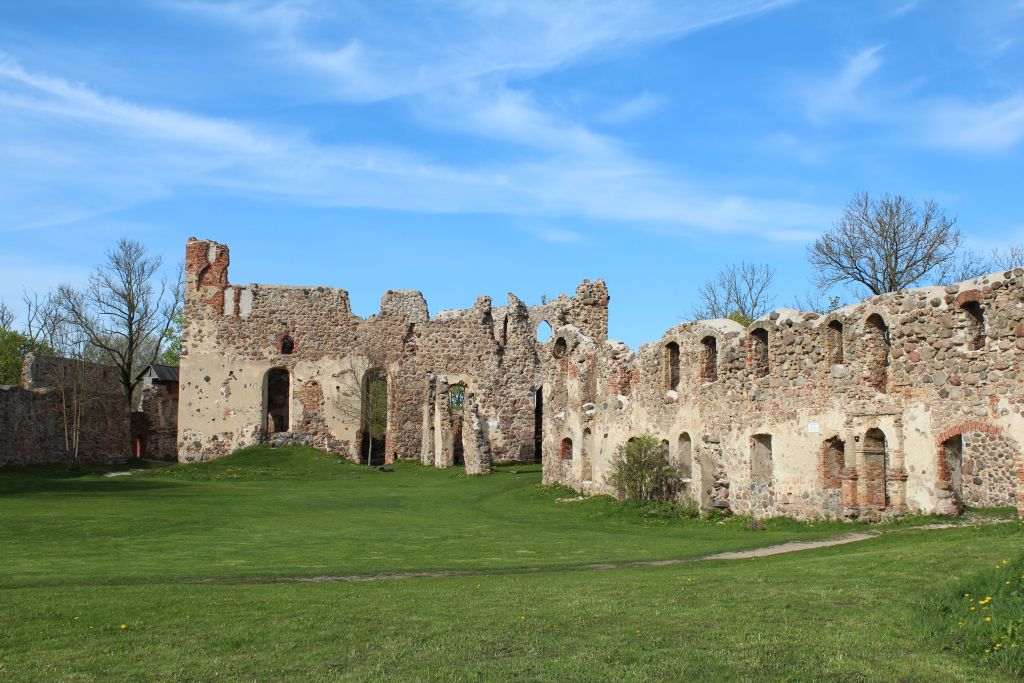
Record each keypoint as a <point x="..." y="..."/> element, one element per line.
<point x="813" y="427"/>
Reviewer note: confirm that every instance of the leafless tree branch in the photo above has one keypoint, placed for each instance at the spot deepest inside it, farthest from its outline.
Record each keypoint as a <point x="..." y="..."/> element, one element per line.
<point x="742" y="292"/>
<point x="885" y="245"/>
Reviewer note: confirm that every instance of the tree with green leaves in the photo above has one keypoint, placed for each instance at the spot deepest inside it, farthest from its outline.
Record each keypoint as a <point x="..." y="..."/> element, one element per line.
<point x="171" y="355"/>
<point x="641" y="470"/>
<point x="13" y="347"/>
<point x="375" y="413"/>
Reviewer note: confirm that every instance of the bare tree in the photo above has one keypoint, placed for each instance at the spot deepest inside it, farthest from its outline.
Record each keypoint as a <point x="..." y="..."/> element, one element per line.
<point x="968" y="265"/>
<point x="740" y="292"/>
<point x="885" y="244"/>
<point x="68" y="371"/>
<point x="1009" y="257"/>
<point x="6" y="316"/>
<point x="818" y="302"/>
<point x="124" y="311"/>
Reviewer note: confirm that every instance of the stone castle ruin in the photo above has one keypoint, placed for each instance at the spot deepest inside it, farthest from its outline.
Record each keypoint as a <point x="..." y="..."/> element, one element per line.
<point x="908" y="401"/>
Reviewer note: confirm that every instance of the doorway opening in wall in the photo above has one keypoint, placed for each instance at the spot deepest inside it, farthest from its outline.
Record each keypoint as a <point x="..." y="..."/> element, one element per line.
<point x="140" y="446"/>
<point x="538" y="424"/>
<point x="875" y="471"/>
<point x="953" y="451"/>
<point x="458" y="453"/>
<point x="456" y="402"/>
<point x="278" y="394"/>
<point x="373" y="436"/>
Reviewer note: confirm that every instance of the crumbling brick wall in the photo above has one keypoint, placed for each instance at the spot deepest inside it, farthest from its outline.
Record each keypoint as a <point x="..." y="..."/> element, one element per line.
<point x="909" y="364"/>
<point x="233" y="337"/>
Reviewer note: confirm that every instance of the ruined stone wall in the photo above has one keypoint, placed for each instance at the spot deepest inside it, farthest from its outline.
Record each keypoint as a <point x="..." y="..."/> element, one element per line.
<point x="844" y="415"/>
<point x="235" y="335"/>
<point x="916" y="365"/>
<point x="31" y="415"/>
<point x="155" y="424"/>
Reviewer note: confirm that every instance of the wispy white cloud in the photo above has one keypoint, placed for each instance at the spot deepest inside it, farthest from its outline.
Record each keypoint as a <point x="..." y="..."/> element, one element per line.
<point x="68" y="152"/>
<point x="378" y="51"/>
<point x="634" y="108"/>
<point x="841" y="94"/>
<point x="952" y="123"/>
<point x="986" y="127"/>
<point x="559" y="235"/>
<point x="499" y="112"/>
<point x="99" y="153"/>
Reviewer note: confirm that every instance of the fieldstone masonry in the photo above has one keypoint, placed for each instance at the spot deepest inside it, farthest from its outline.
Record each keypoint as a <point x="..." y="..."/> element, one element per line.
<point x="909" y="401"/>
<point x="32" y="426"/>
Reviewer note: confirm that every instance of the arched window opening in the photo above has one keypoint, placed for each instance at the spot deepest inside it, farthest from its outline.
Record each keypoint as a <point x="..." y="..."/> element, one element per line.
<point x="953" y="453"/>
<point x="684" y="456"/>
<point x="672" y="365"/>
<point x="975" y="331"/>
<point x="560" y="348"/>
<point x="876" y="352"/>
<point x="875" y="468"/>
<point x="278" y="397"/>
<point x="375" y="416"/>
<point x="761" y="465"/>
<point x="287" y="345"/>
<point x="566" y="449"/>
<point x="587" y="456"/>
<point x="759" y="352"/>
<point x="834" y="343"/>
<point x="543" y="331"/>
<point x="833" y="462"/>
<point x="709" y="362"/>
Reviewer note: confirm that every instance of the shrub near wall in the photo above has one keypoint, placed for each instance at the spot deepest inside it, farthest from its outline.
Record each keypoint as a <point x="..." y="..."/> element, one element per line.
<point x="641" y="470"/>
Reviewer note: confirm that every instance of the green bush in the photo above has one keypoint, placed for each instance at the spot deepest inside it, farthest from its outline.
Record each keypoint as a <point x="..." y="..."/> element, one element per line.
<point x="641" y="470"/>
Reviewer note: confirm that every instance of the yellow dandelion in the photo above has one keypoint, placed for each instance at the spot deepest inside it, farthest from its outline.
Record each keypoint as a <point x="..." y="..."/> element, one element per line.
<point x="973" y="608"/>
<point x="124" y="626"/>
<point x="988" y="618"/>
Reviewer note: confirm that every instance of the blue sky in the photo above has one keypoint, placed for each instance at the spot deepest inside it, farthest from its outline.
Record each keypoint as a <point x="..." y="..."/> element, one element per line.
<point x="466" y="148"/>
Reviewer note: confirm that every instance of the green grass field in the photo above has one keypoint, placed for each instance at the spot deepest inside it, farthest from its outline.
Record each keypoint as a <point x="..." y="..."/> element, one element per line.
<point x="208" y="569"/>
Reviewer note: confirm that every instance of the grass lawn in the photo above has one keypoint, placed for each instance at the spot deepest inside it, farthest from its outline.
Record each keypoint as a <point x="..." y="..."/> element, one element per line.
<point x="183" y="557"/>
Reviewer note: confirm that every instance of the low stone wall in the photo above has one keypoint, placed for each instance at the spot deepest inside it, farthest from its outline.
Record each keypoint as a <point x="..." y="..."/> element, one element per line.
<point x="32" y="423"/>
